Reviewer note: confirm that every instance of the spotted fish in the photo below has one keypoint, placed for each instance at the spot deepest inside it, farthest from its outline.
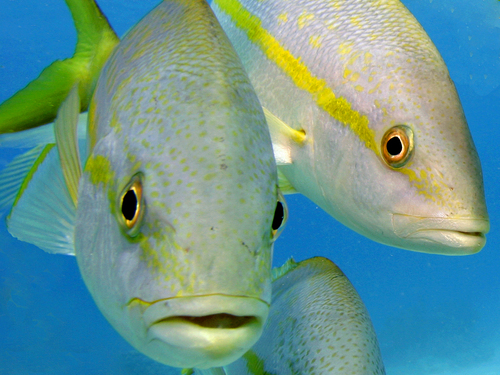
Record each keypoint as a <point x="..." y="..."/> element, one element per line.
<point x="173" y="215"/>
<point x="364" y="118"/>
<point x="317" y="325"/>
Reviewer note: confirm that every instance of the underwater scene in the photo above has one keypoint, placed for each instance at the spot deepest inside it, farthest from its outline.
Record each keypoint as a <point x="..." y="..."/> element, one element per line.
<point x="433" y="314"/>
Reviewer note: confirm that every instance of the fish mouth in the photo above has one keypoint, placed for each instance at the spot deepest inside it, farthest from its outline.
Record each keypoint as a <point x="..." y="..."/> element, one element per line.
<point x="204" y="331"/>
<point x="438" y="235"/>
<point x="220" y="321"/>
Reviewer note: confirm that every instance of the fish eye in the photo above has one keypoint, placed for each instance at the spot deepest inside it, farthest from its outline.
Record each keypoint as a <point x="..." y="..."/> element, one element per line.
<point x="280" y="216"/>
<point x="132" y="206"/>
<point x="397" y="146"/>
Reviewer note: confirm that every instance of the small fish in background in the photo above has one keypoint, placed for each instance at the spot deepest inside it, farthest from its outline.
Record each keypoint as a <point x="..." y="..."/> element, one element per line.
<point x="364" y="118"/>
<point x="317" y="325"/>
<point x="173" y="215"/>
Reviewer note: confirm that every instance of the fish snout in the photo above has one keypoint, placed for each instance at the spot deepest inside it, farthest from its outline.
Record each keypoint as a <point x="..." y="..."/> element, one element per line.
<point x="203" y="331"/>
<point x="442" y="235"/>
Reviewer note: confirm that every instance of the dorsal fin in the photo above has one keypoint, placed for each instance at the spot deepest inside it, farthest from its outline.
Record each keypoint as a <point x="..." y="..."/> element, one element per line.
<point x="289" y="265"/>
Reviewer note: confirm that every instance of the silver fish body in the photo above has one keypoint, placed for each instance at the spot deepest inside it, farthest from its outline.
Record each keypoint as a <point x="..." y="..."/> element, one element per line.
<point x="380" y="140"/>
<point x="174" y="110"/>
<point x="171" y="218"/>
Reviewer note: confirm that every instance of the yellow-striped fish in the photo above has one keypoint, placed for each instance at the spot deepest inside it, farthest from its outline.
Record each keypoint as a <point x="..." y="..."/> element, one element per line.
<point x="364" y="118"/>
<point x="171" y="218"/>
<point x="317" y="325"/>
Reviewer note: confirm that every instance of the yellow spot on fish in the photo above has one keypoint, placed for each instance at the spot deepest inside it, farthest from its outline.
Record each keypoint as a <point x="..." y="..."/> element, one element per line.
<point x="315" y="41"/>
<point x="209" y="176"/>
<point x="356" y="22"/>
<point x="283" y="18"/>
<point x="304" y="19"/>
<point x="345" y="48"/>
<point x="99" y="169"/>
<point x="368" y="58"/>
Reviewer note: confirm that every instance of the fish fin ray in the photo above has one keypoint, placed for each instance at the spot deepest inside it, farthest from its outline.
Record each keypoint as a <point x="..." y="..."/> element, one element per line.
<point x="65" y="129"/>
<point x="282" y="136"/>
<point x="43" y="212"/>
<point x="38" y="102"/>
<point x="13" y="175"/>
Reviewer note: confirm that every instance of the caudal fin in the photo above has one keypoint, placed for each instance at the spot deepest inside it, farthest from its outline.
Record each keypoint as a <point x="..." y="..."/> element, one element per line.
<point x="38" y="102"/>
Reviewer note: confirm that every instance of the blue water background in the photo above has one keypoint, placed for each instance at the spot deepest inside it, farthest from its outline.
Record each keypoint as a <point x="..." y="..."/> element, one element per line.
<point x="434" y="315"/>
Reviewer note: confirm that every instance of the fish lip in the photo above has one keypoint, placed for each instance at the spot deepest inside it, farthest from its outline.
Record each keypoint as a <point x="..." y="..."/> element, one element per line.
<point x="186" y="325"/>
<point x="441" y="235"/>
<point x="202" y="306"/>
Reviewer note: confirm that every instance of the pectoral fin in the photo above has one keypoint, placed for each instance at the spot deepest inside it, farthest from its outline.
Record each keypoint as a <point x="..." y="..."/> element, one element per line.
<point x="38" y="102"/>
<point x="43" y="213"/>
<point x="283" y="138"/>
<point x="44" y="191"/>
<point x="66" y="132"/>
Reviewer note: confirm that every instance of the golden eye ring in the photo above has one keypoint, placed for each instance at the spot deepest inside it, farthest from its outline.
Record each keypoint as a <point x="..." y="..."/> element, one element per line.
<point x="397" y="146"/>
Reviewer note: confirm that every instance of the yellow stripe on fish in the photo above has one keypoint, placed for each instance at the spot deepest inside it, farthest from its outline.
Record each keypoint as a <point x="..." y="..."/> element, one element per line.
<point x="338" y="107"/>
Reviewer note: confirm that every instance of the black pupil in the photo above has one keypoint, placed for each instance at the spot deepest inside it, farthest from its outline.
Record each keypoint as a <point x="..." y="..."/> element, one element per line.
<point x="129" y="205"/>
<point x="394" y="146"/>
<point x="279" y="213"/>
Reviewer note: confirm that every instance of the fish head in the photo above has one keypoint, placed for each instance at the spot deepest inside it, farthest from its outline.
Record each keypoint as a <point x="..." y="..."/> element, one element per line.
<point x="176" y="211"/>
<point x="411" y="177"/>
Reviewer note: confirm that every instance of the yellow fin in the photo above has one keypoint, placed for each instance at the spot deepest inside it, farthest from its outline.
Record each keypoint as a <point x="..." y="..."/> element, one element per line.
<point x="66" y="132"/>
<point x="282" y="136"/>
<point x="38" y="102"/>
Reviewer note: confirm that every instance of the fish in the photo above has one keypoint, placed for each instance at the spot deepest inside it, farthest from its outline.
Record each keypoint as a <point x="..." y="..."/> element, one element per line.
<point x="364" y="118"/>
<point x="317" y="324"/>
<point x="168" y="197"/>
